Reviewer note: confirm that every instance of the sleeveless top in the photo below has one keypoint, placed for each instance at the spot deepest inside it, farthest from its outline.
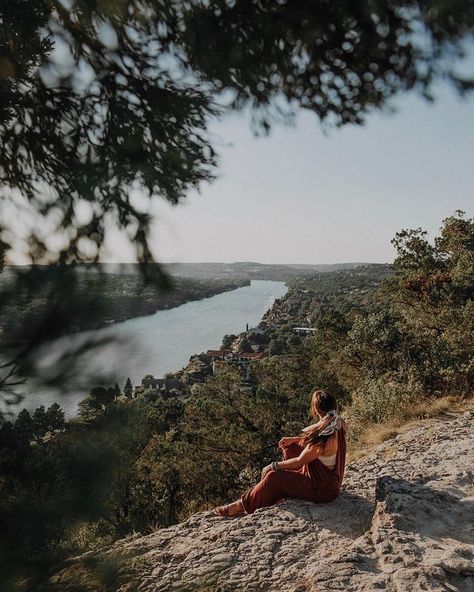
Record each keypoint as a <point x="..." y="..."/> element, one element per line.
<point x="329" y="461"/>
<point x="324" y="480"/>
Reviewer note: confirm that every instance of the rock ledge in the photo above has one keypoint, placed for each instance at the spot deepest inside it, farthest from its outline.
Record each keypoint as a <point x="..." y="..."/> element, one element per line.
<point x="404" y="521"/>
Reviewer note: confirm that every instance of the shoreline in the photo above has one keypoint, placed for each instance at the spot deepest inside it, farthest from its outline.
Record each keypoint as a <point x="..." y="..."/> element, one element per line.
<point x="73" y="395"/>
<point x="129" y="307"/>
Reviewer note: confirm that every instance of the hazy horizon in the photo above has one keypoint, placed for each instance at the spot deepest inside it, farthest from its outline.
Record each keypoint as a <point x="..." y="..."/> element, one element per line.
<point x="297" y="263"/>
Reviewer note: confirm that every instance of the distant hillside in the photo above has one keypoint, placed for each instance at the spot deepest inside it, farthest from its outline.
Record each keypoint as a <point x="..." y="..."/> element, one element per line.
<point x="253" y="270"/>
<point x="236" y="270"/>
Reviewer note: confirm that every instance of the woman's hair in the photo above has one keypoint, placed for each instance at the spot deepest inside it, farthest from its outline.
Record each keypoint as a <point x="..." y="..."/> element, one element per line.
<point x="321" y="403"/>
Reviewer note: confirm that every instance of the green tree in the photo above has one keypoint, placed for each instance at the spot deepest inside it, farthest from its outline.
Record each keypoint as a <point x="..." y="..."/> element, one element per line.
<point x="227" y="341"/>
<point x="245" y="345"/>
<point x="434" y="292"/>
<point x="25" y="426"/>
<point x="148" y="381"/>
<point x="276" y="347"/>
<point x="420" y="341"/>
<point x="128" y="389"/>
<point x="97" y="402"/>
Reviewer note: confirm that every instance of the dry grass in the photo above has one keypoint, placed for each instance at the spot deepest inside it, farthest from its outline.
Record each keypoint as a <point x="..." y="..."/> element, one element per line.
<point x="375" y="434"/>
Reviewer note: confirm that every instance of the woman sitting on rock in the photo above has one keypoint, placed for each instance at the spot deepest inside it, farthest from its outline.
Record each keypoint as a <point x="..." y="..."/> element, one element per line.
<point x="312" y="466"/>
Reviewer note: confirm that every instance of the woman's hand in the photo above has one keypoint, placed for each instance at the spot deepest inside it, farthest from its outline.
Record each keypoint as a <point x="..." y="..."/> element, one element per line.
<point x="287" y="441"/>
<point x="265" y="470"/>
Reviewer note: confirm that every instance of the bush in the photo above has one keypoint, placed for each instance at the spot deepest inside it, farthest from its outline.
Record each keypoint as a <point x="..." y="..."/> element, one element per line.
<point x="89" y="536"/>
<point x="381" y="399"/>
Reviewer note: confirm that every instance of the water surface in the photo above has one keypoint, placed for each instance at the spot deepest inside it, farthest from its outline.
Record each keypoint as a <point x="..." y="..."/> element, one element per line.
<point x="154" y="344"/>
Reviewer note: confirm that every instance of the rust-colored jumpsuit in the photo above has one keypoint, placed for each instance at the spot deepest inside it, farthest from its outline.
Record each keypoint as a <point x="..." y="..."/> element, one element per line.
<point x="314" y="481"/>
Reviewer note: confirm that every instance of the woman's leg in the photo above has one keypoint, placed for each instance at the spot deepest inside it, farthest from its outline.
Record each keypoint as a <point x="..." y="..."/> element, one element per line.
<point x="277" y="485"/>
<point x="233" y="509"/>
<point x="236" y="508"/>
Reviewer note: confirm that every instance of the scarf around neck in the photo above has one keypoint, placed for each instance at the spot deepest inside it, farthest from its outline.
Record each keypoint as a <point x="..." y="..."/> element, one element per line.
<point x="326" y="425"/>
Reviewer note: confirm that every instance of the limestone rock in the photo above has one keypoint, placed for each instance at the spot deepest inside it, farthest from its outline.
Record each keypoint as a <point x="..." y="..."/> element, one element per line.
<point x="403" y="522"/>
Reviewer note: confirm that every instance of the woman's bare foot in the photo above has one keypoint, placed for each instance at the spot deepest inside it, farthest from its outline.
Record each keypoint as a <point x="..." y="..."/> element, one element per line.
<point x="234" y="509"/>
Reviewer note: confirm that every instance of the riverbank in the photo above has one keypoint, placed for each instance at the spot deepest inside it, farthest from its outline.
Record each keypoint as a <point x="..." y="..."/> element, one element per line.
<point x="156" y="344"/>
<point x="91" y="301"/>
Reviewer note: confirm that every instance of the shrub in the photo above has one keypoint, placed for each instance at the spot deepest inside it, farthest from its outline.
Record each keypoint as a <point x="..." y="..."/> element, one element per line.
<point x="381" y="399"/>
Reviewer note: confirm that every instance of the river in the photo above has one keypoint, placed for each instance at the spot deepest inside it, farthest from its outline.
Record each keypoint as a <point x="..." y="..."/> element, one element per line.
<point x="153" y="344"/>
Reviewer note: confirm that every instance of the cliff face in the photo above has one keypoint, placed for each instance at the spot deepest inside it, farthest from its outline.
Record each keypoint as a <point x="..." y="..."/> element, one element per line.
<point x="404" y="522"/>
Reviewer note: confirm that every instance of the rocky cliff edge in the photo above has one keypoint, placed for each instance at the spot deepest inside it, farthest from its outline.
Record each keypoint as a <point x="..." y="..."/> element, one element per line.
<point x="403" y="522"/>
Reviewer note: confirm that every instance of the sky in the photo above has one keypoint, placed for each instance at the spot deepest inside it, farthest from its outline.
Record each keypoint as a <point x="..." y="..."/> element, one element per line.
<point x="302" y="195"/>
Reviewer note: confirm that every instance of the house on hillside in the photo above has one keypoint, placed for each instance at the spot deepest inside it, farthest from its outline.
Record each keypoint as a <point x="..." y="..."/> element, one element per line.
<point x="304" y="331"/>
<point x="167" y="387"/>
<point x="240" y="359"/>
<point x="219" y="354"/>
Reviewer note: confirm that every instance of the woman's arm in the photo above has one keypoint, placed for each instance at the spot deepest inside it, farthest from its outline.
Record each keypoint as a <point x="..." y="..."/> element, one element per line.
<point x="309" y="453"/>
<point x="287" y="440"/>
